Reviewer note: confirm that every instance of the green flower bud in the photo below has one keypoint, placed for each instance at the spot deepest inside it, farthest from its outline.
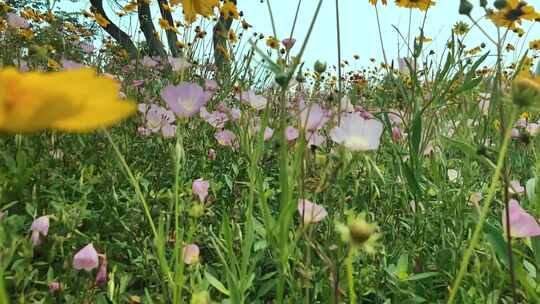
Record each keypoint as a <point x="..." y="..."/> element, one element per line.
<point x="319" y="67"/>
<point x="500" y="4"/>
<point x="465" y="7"/>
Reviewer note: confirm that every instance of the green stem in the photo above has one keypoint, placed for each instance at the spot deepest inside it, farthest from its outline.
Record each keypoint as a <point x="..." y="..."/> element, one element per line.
<point x="484" y="214"/>
<point x="3" y="293"/>
<point x="350" y="275"/>
<point x="134" y="183"/>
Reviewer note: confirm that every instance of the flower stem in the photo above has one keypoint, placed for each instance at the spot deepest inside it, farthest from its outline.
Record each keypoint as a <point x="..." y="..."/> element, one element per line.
<point x="484" y="214"/>
<point x="350" y="275"/>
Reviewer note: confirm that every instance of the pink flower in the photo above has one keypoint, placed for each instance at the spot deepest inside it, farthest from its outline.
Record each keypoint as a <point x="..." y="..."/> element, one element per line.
<point x="200" y="187"/>
<point x="86" y="258"/>
<point x="315" y="138"/>
<point x="168" y="131"/>
<point x="102" y="276"/>
<point x="291" y="133"/>
<point x="86" y="47"/>
<point x="158" y="117"/>
<point x="179" y="64"/>
<point x="310" y="212"/>
<point x="396" y="133"/>
<point x="521" y="123"/>
<point x="257" y="102"/>
<point x="144" y="131"/>
<point x="313" y="117"/>
<point x="515" y="187"/>
<point x="215" y="119"/>
<point x="191" y="254"/>
<point x="210" y="85"/>
<point x="346" y="105"/>
<point x="212" y="155"/>
<point x="55" y="287"/>
<point x="226" y="138"/>
<point x="137" y="82"/>
<point x="514" y="133"/>
<point x="16" y="21"/>
<point x="71" y="65"/>
<point x="533" y="129"/>
<point x="40" y="227"/>
<point x="288" y="43"/>
<point x="395" y="117"/>
<point x="357" y="133"/>
<point x="149" y="62"/>
<point x="185" y="99"/>
<point x="522" y="224"/>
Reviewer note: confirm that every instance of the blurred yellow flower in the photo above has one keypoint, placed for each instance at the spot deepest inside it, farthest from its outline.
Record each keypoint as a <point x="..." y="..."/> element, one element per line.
<point x="419" y="4"/>
<point x="272" y="42"/>
<point x="228" y="9"/>
<point x="192" y="8"/>
<point x="513" y="13"/>
<point x="101" y="20"/>
<point x="72" y="101"/>
<point x="374" y="2"/>
<point x="535" y="45"/>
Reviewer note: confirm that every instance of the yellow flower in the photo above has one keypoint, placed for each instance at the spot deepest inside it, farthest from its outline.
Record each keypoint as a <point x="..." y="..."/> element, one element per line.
<point x="130" y="7"/>
<point x="35" y="101"/>
<point x="192" y="8"/>
<point x="53" y="64"/>
<point x="461" y="28"/>
<point x="164" y="24"/>
<point x="374" y="2"/>
<point x="526" y="90"/>
<point x="233" y="38"/>
<point x="101" y="20"/>
<point x="535" y="45"/>
<point x="513" y="13"/>
<point x="272" y="42"/>
<point x="419" y="4"/>
<point x="228" y="9"/>
<point x="510" y="47"/>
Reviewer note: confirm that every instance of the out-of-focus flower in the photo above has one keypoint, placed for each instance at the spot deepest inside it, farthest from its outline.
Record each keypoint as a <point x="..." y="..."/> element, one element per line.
<point x="514" y="133"/>
<point x="314" y="138"/>
<point x="397" y="134"/>
<point x="374" y="2"/>
<point x="288" y="43"/>
<point x="484" y="102"/>
<point x="357" y="134"/>
<point x="212" y="155"/>
<point x="516" y="188"/>
<point x="16" y="21"/>
<point x="228" y="10"/>
<point x="102" y="275"/>
<point x="40" y="227"/>
<point x="533" y="129"/>
<point x="346" y="105"/>
<point x="258" y="102"/>
<point x="359" y="233"/>
<point x="226" y="138"/>
<point x="534" y="45"/>
<point x="149" y="62"/>
<point x="313" y="117"/>
<point x="453" y="175"/>
<point x="311" y="212"/>
<point x="192" y="8"/>
<point x="272" y="42"/>
<point x="513" y="13"/>
<point x="86" y="258"/>
<point x="185" y="99"/>
<point x="522" y="224"/>
<point x="55" y="287"/>
<point x="191" y="254"/>
<point x="200" y="187"/>
<point x="475" y="197"/>
<point x="291" y="133"/>
<point x="211" y="85"/>
<point x="36" y="101"/>
<point x="179" y="64"/>
<point x="71" y="65"/>
<point x="418" y="4"/>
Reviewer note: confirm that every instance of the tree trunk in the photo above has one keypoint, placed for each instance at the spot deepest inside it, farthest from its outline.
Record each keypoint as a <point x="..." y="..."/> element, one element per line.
<point x="155" y="47"/>
<point x="220" y="33"/>
<point x="172" y="39"/>
<point x="120" y="36"/>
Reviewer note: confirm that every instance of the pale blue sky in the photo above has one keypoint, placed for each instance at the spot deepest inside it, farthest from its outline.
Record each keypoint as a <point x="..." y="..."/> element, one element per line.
<point x="359" y="26"/>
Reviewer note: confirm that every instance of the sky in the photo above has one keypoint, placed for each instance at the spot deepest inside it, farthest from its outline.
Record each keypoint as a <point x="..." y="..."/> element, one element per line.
<point x="359" y="32"/>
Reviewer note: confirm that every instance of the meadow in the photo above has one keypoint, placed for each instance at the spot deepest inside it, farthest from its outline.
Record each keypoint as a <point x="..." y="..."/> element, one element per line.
<point x="190" y="159"/>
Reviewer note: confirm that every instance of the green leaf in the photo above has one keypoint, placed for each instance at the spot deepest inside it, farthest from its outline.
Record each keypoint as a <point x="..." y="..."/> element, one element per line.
<point x="495" y="238"/>
<point x="421" y="276"/>
<point x="216" y="283"/>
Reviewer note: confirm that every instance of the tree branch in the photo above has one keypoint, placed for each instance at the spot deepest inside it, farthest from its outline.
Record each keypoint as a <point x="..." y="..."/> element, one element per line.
<point x="112" y="29"/>
<point x="172" y="39"/>
<point x="155" y="46"/>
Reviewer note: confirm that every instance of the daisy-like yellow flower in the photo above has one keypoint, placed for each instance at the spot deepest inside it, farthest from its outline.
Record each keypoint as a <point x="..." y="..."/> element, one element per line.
<point x="192" y="8"/>
<point x="233" y="38"/>
<point x="53" y="64"/>
<point x="228" y="9"/>
<point x="101" y="20"/>
<point x="513" y="13"/>
<point x="164" y="24"/>
<point x="419" y="4"/>
<point x="461" y="28"/>
<point x="526" y="90"/>
<point x="35" y="101"/>
<point x="130" y="7"/>
<point x="535" y="45"/>
<point x="272" y="42"/>
<point x="374" y="2"/>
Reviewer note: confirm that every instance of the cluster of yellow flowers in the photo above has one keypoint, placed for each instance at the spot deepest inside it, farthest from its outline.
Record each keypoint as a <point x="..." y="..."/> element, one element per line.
<point x="73" y="101"/>
<point x="418" y="4"/>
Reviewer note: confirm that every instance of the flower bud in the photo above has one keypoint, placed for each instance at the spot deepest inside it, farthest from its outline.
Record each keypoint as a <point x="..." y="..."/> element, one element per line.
<point x="55" y="287"/>
<point x="500" y="4"/>
<point x="319" y="67"/>
<point x="465" y="7"/>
